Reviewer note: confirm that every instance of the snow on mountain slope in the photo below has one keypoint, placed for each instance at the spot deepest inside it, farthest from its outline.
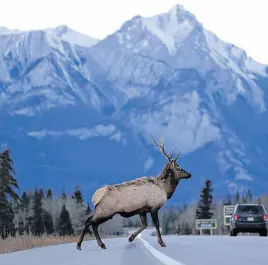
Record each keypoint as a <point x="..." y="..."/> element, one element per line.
<point x="7" y="31"/>
<point x="66" y="34"/>
<point x="173" y="28"/>
<point x="179" y="40"/>
<point x="43" y="64"/>
<point x="162" y="75"/>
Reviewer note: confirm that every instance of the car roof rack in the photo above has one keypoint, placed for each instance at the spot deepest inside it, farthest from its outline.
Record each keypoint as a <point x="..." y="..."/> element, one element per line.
<point x="248" y="203"/>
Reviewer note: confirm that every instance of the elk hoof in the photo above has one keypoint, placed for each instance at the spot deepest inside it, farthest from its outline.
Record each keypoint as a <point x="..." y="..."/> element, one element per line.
<point x="162" y="244"/>
<point x="78" y="246"/>
<point x="103" y="246"/>
<point x="131" y="238"/>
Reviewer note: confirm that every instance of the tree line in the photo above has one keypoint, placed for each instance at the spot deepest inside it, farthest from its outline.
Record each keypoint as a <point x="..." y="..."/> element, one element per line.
<point x="40" y="212"/>
<point x="35" y="212"/>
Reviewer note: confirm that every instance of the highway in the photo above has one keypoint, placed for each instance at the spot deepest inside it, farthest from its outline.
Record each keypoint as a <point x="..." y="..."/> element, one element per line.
<point x="144" y="250"/>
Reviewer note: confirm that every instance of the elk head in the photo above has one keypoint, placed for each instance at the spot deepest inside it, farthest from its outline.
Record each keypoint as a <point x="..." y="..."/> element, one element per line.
<point x="179" y="173"/>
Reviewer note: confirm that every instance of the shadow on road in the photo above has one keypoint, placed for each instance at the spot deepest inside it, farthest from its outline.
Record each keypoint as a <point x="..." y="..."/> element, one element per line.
<point x="135" y="253"/>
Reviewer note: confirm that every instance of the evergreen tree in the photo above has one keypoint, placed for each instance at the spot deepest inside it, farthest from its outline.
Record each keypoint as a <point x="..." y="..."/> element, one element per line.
<point x="78" y="195"/>
<point x="25" y="201"/>
<point x="7" y="185"/>
<point x="49" y="194"/>
<point x="88" y="210"/>
<point x="187" y="229"/>
<point x="6" y="217"/>
<point x="41" y="194"/>
<point x="249" y="196"/>
<point x="237" y="197"/>
<point x="165" y="229"/>
<point x="204" y="207"/>
<point x="7" y="180"/>
<point x="168" y="222"/>
<point x="48" y="223"/>
<point x="21" y="227"/>
<point x="64" y="196"/>
<point x="64" y="223"/>
<point x="228" y="200"/>
<point x="178" y="230"/>
<point x="29" y="224"/>
<point x="244" y="199"/>
<point x="48" y="220"/>
<point x="38" y="225"/>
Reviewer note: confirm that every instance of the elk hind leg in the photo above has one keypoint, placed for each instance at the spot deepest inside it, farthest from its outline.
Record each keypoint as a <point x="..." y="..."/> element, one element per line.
<point x="154" y="215"/>
<point x="143" y="226"/>
<point x="94" y="220"/>
<point x="95" y="226"/>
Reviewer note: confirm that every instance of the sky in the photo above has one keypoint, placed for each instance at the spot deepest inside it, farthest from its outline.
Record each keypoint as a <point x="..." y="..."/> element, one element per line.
<point x="241" y="22"/>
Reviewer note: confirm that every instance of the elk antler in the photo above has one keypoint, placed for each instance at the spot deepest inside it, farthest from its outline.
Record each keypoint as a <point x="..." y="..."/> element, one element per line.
<point x="161" y="146"/>
<point x="177" y="156"/>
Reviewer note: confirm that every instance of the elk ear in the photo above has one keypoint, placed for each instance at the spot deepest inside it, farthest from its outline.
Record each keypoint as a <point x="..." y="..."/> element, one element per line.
<point x="168" y="174"/>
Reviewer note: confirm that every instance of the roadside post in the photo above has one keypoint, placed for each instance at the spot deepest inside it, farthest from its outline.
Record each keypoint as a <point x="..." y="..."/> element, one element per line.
<point x="227" y="213"/>
<point x="206" y="224"/>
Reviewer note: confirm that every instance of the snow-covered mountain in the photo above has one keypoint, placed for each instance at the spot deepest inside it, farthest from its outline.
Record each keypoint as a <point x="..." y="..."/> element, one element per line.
<point x="75" y="109"/>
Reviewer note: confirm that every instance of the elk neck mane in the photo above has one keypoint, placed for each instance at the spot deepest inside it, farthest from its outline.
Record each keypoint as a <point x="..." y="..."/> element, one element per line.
<point x="167" y="180"/>
<point x="166" y="172"/>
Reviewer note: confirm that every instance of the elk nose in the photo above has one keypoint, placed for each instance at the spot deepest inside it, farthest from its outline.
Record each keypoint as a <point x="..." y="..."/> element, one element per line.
<point x="190" y="175"/>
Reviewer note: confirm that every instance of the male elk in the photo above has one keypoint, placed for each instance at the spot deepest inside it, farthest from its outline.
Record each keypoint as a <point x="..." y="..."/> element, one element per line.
<point x="139" y="196"/>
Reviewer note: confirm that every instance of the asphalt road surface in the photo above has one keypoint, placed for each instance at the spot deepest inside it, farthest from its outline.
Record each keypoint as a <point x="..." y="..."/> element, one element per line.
<point x="144" y="250"/>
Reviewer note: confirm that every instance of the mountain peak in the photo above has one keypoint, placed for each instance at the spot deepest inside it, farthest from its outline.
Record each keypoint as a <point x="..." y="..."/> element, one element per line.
<point x="172" y="28"/>
<point x="67" y="34"/>
<point x="7" y="31"/>
<point x="181" y="14"/>
<point x="62" y="29"/>
<point x="176" y="9"/>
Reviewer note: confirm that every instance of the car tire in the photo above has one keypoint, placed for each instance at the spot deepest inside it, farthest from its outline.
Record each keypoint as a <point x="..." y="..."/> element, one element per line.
<point x="263" y="233"/>
<point x="233" y="233"/>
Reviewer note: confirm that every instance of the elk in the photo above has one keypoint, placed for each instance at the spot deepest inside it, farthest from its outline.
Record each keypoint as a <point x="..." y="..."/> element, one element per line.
<point x="140" y="196"/>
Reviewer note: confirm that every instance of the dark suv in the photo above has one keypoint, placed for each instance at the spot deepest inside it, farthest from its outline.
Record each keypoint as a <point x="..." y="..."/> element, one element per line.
<point x="251" y="218"/>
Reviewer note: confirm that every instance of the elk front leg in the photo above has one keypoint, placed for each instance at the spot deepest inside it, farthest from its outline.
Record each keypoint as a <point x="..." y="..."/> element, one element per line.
<point x="81" y="237"/>
<point x="143" y="226"/>
<point x="154" y="215"/>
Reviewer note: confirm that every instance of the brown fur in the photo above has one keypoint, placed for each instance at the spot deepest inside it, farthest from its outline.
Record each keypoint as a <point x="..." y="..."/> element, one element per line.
<point x="139" y="196"/>
<point x="110" y="189"/>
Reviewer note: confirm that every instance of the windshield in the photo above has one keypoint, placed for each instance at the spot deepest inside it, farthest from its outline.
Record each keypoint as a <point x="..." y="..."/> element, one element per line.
<point x="255" y="209"/>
